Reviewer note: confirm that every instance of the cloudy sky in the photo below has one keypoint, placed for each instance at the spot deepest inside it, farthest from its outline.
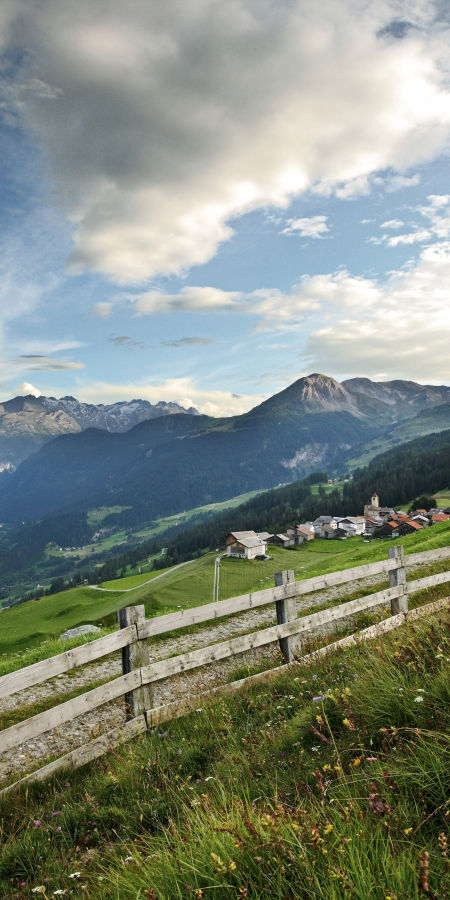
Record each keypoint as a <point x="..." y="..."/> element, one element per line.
<point x="202" y="201"/>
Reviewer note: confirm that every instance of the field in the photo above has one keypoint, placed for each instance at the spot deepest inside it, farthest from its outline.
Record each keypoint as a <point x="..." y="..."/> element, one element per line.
<point x="331" y="782"/>
<point x="28" y="625"/>
<point x="442" y="499"/>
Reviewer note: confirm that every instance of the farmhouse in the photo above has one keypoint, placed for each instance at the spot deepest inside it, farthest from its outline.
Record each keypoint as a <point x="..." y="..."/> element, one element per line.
<point x="281" y="540"/>
<point x="245" y="545"/>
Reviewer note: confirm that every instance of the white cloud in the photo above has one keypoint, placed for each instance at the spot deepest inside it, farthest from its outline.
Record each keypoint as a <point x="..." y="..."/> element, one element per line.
<point x="400" y="329"/>
<point x="392" y="223"/>
<point x="163" y="121"/>
<point x="103" y="310"/>
<point x="314" y="226"/>
<point x="211" y="402"/>
<point x="26" y="388"/>
<point x="275" y="308"/>
<point x="414" y="237"/>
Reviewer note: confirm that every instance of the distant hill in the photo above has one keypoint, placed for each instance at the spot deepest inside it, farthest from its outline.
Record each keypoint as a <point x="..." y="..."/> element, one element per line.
<point x="404" y="399"/>
<point x="26" y="423"/>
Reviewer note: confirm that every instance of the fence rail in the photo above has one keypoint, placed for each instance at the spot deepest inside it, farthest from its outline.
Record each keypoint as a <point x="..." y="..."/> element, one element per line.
<point x="139" y="675"/>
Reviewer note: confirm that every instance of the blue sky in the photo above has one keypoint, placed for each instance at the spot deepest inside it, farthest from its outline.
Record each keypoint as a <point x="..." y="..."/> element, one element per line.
<point x="202" y="202"/>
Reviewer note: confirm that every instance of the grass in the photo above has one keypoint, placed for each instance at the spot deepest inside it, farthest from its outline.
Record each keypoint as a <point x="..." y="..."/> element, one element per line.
<point x="96" y="516"/>
<point x="132" y="581"/>
<point x="28" y="625"/>
<point x="333" y="781"/>
<point x="155" y="528"/>
<point x="442" y="499"/>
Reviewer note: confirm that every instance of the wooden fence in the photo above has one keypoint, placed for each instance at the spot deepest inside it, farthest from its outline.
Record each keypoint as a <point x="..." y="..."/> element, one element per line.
<point x="139" y="674"/>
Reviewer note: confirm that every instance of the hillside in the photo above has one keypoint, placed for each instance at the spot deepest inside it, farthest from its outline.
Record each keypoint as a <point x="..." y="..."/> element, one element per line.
<point x="330" y="781"/>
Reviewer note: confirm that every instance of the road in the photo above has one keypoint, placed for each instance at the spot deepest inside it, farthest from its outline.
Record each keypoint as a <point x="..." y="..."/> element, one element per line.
<point x="95" y="587"/>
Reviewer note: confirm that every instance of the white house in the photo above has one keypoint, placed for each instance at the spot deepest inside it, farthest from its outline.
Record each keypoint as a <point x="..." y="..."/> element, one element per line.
<point x="245" y="545"/>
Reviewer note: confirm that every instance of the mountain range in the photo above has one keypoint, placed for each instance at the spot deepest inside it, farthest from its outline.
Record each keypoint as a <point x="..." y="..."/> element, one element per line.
<point x="26" y="423"/>
<point x="171" y="461"/>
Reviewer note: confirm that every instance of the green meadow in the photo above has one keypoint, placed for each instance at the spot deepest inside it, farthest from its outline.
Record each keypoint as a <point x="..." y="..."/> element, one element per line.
<point x="28" y="625"/>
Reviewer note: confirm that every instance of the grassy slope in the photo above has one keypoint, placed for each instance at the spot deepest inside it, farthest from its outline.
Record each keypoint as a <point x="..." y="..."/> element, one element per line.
<point x="427" y="422"/>
<point x="330" y="782"/>
<point x="31" y="623"/>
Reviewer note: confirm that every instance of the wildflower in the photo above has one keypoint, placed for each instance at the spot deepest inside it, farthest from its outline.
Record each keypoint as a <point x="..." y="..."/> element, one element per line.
<point x="150" y="894"/>
<point x="198" y="895"/>
<point x="40" y="889"/>
<point x="328" y="828"/>
<point x="75" y="875"/>
<point x="55" y="893"/>
<point x="442" y="841"/>
<point x="371" y="758"/>
<point x="420" y="691"/>
<point x="418" y="699"/>
<point x="59" y="828"/>
<point x="407" y="830"/>
<point x="356" y="762"/>
<point x="179" y="752"/>
<point x="37" y="824"/>
<point x="55" y="814"/>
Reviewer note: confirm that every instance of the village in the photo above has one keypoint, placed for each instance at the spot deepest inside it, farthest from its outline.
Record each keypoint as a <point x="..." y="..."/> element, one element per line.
<point x="376" y="522"/>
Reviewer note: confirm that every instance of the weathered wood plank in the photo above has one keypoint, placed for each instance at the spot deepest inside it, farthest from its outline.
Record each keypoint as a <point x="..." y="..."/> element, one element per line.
<point x="428" y="556"/>
<point x="430" y="581"/>
<point x="186" y="661"/>
<point x="178" y="708"/>
<point x="184" y="618"/>
<point x="64" y="662"/>
<point x="65" y="712"/>
<point x="88" y="752"/>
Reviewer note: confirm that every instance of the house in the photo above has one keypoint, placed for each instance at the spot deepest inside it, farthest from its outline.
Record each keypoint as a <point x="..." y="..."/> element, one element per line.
<point x="388" y="529"/>
<point x="247" y="546"/>
<point x="329" y="532"/>
<point x="421" y="519"/>
<point x="264" y="535"/>
<point x="301" y="533"/>
<point x="358" y="523"/>
<point x="281" y="540"/>
<point x="320" y="522"/>
<point x="372" y="523"/>
<point x="409" y="527"/>
<point x="439" y="517"/>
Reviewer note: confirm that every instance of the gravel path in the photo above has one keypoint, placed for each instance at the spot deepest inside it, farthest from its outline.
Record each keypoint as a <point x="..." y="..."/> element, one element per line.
<point x="24" y="758"/>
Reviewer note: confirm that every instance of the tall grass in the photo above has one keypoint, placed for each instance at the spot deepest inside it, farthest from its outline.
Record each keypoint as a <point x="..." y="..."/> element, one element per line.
<point x="332" y="782"/>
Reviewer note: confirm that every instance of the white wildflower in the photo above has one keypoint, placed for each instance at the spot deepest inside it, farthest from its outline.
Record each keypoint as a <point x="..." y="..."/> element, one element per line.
<point x="75" y="875"/>
<point x="418" y="699"/>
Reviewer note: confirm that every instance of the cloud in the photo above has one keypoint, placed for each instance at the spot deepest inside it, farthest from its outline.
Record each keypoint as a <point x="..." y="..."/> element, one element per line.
<point x="314" y="226"/>
<point x="272" y="307"/>
<point x="124" y="340"/>
<point x="197" y="340"/>
<point x="34" y="362"/>
<point x="26" y="388"/>
<point x="392" y="223"/>
<point x="161" y="122"/>
<point x="103" y="310"/>
<point x="400" y="329"/>
<point x="414" y="237"/>
<point x="209" y="401"/>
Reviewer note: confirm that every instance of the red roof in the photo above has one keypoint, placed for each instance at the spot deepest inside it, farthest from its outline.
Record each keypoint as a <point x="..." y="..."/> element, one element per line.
<point x="414" y="525"/>
<point x="440" y="517"/>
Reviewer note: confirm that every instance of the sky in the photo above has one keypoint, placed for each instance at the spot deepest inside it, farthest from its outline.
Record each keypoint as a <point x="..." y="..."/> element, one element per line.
<point x="204" y="201"/>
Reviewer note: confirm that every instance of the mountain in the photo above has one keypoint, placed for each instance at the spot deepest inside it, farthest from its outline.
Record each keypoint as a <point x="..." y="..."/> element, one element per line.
<point x="177" y="461"/>
<point x="116" y="417"/>
<point x="174" y="462"/>
<point x="26" y="423"/>
<point x="428" y="421"/>
<point x="404" y="399"/>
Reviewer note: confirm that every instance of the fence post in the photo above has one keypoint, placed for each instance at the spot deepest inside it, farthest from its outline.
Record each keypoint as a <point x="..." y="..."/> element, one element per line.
<point x="286" y="612"/>
<point x="134" y="656"/>
<point x="398" y="577"/>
